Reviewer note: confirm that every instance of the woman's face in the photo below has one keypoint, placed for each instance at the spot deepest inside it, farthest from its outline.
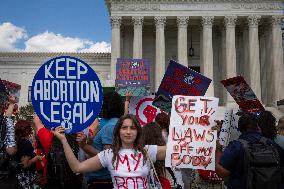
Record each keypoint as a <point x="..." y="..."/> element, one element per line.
<point x="128" y="133"/>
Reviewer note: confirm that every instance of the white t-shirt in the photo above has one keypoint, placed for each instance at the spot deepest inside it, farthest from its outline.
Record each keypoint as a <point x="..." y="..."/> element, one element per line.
<point x="129" y="171"/>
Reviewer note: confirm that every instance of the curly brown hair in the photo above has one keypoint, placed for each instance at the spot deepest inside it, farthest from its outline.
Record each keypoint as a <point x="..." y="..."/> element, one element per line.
<point x="116" y="143"/>
<point x="23" y="129"/>
<point x="152" y="135"/>
<point x="267" y="123"/>
<point x="163" y="120"/>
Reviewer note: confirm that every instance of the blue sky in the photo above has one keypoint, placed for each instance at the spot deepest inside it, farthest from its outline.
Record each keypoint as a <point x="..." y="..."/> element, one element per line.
<point x="54" y="25"/>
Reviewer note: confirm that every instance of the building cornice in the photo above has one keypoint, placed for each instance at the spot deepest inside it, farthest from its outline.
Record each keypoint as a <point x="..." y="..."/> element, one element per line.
<point x="54" y="54"/>
<point x="133" y="7"/>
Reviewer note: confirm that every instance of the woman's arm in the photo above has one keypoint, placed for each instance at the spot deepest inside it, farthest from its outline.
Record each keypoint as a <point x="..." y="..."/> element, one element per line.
<point x="161" y="152"/>
<point x="90" y="150"/>
<point x="93" y="130"/>
<point x="27" y="161"/>
<point x="37" y="123"/>
<point x="92" y="164"/>
<point x="128" y="96"/>
<point x="219" y="169"/>
<point x="84" y="145"/>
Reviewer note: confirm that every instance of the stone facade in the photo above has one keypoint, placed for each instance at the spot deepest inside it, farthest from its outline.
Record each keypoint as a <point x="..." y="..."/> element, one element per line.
<point x="21" y="67"/>
<point x="235" y="37"/>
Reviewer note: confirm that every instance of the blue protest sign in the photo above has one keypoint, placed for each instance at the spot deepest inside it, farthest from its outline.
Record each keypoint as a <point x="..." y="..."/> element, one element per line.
<point x="66" y="91"/>
<point x="179" y="80"/>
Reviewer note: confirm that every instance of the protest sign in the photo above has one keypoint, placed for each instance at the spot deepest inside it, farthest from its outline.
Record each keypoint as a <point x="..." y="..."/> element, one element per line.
<point x="3" y="97"/>
<point x="225" y="130"/>
<point x="243" y="94"/>
<point x="133" y="75"/>
<point x="234" y="129"/>
<point x="229" y="130"/>
<point x="179" y="80"/>
<point x="66" y="91"/>
<point x="143" y="109"/>
<point x="191" y="141"/>
<point x="14" y="90"/>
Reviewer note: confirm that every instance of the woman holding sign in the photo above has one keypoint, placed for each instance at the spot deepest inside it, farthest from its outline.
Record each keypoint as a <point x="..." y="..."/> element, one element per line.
<point x="127" y="160"/>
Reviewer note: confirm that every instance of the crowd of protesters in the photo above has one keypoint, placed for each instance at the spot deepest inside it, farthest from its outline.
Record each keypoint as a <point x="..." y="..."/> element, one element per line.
<point x="117" y="152"/>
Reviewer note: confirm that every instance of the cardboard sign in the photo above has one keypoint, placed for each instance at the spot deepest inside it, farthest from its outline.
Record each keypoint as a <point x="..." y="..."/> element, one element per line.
<point x="229" y="130"/>
<point x="133" y="75"/>
<point x="3" y="97"/>
<point x="243" y="94"/>
<point x="144" y="110"/>
<point x="66" y="91"/>
<point x="179" y="80"/>
<point x="225" y="130"/>
<point x="234" y="130"/>
<point x="14" y="90"/>
<point x="191" y="141"/>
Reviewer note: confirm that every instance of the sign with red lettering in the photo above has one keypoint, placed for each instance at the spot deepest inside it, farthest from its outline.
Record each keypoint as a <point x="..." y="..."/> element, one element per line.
<point x="144" y="110"/>
<point x="243" y="94"/>
<point x="191" y="141"/>
<point x="179" y="80"/>
<point x="133" y="75"/>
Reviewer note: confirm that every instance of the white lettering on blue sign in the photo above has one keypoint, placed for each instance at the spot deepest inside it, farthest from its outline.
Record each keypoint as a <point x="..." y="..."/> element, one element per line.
<point x="67" y="92"/>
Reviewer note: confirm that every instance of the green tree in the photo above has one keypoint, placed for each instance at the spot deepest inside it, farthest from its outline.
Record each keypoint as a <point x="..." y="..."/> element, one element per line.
<point x="26" y="113"/>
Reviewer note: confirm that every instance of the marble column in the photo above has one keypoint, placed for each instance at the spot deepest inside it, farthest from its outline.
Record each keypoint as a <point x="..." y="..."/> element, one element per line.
<point x="182" y="22"/>
<point x="275" y="83"/>
<point x="137" y="39"/>
<point x="200" y="29"/>
<point x="160" y="22"/>
<point x="245" y="70"/>
<point x="115" y="45"/>
<point x="206" y="67"/>
<point x="254" y="64"/>
<point x="268" y="60"/>
<point x="222" y="58"/>
<point x="263" y="63"/>
<point x="230" y="54"/>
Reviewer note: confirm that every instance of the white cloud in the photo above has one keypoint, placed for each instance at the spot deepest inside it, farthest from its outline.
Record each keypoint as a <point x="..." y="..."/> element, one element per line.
<point x="51" y="42"/>
<point x="10" y="35"/>
<point x="98" y="47"/>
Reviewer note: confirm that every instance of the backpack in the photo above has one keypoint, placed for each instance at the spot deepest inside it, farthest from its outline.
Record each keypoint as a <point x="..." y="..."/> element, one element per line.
<point x="58" y="169"/>
<point x="261" y="165"/>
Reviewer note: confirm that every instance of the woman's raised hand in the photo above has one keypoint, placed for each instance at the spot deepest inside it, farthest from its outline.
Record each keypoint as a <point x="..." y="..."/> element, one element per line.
<point x="218" y="126"/>
<point x="59" y="132"/>
<point x="128" y="95"/>
<point x="81" y="138"/>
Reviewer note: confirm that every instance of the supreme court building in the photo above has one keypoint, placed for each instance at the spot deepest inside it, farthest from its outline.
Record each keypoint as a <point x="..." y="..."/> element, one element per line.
<point x="219" y="38"/>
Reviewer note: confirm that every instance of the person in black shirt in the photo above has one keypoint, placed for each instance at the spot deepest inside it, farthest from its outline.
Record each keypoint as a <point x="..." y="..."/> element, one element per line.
<point x="25" y="156"/>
